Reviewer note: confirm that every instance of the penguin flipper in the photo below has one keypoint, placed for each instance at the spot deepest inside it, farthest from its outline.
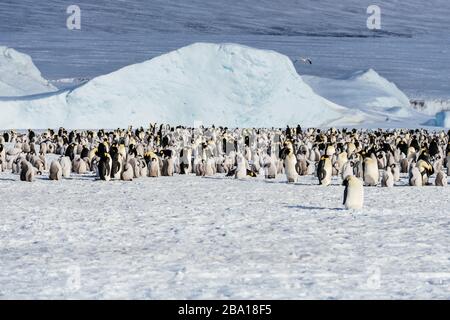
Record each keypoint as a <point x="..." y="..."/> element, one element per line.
<point x="345" y="195"/>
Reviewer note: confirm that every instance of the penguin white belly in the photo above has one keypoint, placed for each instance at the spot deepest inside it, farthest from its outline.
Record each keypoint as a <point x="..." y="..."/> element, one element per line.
<point x="353" y="193"/>
<point x="355" y="198"/>
<point x="388" y="179"/>
<point x="371" y="174"/>
<point x="289" y="167"/>
<point x="326" y="174"/>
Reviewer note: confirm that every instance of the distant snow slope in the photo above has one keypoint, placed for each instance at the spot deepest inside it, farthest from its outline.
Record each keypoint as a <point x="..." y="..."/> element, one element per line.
<point x="222" y="84"/>
<point x="19" y="76"/>
<point x="364" y="90"/>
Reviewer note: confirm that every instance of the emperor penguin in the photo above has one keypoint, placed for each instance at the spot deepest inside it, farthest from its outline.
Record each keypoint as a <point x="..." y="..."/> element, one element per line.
<point x="2" y="157"/>
<point x="302" y="165"/>
<point x="168" y="167"/>
<point x="200" y="168"/>
<point x="241" y="170"/>
<point x="104" y="167"/>
<point x="209" y="167"/>
<point x="395" y="169"/>
<point x="347" y="169"/>
<point x="387" y="180"/>
<point x="353" y="193"/>
<point x="66" y="166"/>
<point x="116" y="162"/>
<point x="55" y="171"/>
<point x="127" y="173"/>
<point x="426" y="170"/>
<point x="441" y="179"/>
<point x="185" y="160"/>
<point x="415" y="177"/>
<point x="79" y="166"/>
<point x="371" y="174"/>
<point x="154" y="169"/>
<point x="270" y="167"/>
<point x="143" y="167"/>
<point x="27" y="171"/>
<point x="324" y="170"/>
<point x="404" y="165"/>
<point x="290" y="162"/>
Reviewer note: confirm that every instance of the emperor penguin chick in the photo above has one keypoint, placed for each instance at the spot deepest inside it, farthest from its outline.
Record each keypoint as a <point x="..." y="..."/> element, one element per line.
<point x="441" y="179"/>
<point x="127" y="173"/>
<point x="154" y="169"/>
<point x="241" y="170"/>
<point x="353" y="193"/>
<point x="415" y="177"/>
<point x="55" y="171"/>
<point x="388" y="179"/>
<point x="26" y="171"/>
<point x="66" y="166"/>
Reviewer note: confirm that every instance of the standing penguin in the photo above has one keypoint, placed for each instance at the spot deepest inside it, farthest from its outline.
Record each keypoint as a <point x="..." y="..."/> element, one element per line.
<point x="79" y="166"/>
<point x="2" y="158"/>
<point x="426" y="170"/>
<point x="441" y="179"/>
<point x="371" y="174"/>
<point x="395" y="169"/>
<point x="55" y="171"/>
<point x="387" y="180"/>
<point x="66" y="166"/>
<point x="127" y="173"/>
<point x="270" y="167"/>
<point x="353" y="193"/>
<point x="27" y="171"/>
<point x="154" y="169"/>
<point x="104" y="167"/>
<point x="324" y="170"/>
<point x="290" y="162"/>
<point x="241" y="170"/>
<point x="116" y="162"/>
<point x="347" y="169"/>
<point x="415" y="178"/>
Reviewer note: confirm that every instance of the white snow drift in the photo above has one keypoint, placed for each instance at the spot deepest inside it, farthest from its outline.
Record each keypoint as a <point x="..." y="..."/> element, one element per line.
<point x="19" y="76"/>
<point x="362" y="90"/>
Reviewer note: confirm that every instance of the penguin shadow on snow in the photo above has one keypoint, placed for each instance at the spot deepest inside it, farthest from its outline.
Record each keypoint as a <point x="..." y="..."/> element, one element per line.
<point x="315" y="208"/>
<point x="7" y="179"/>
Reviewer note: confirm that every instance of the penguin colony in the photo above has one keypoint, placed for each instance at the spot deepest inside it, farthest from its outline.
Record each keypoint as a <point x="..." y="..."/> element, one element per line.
<point x="359" y="157"/>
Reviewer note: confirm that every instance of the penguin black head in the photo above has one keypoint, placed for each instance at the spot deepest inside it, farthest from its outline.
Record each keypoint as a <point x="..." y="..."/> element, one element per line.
<point x="345" y="182"/>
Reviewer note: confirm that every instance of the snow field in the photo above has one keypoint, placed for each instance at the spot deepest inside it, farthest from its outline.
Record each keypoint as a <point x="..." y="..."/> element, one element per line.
<point x="204" y="238"/>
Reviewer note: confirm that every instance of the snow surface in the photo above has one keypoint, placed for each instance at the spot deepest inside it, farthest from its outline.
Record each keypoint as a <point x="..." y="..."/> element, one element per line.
<point x="219" y="238"/>
<point x="19" y="76"/>
<point x="221" y="84"/>
<point x="362" y="90"/>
